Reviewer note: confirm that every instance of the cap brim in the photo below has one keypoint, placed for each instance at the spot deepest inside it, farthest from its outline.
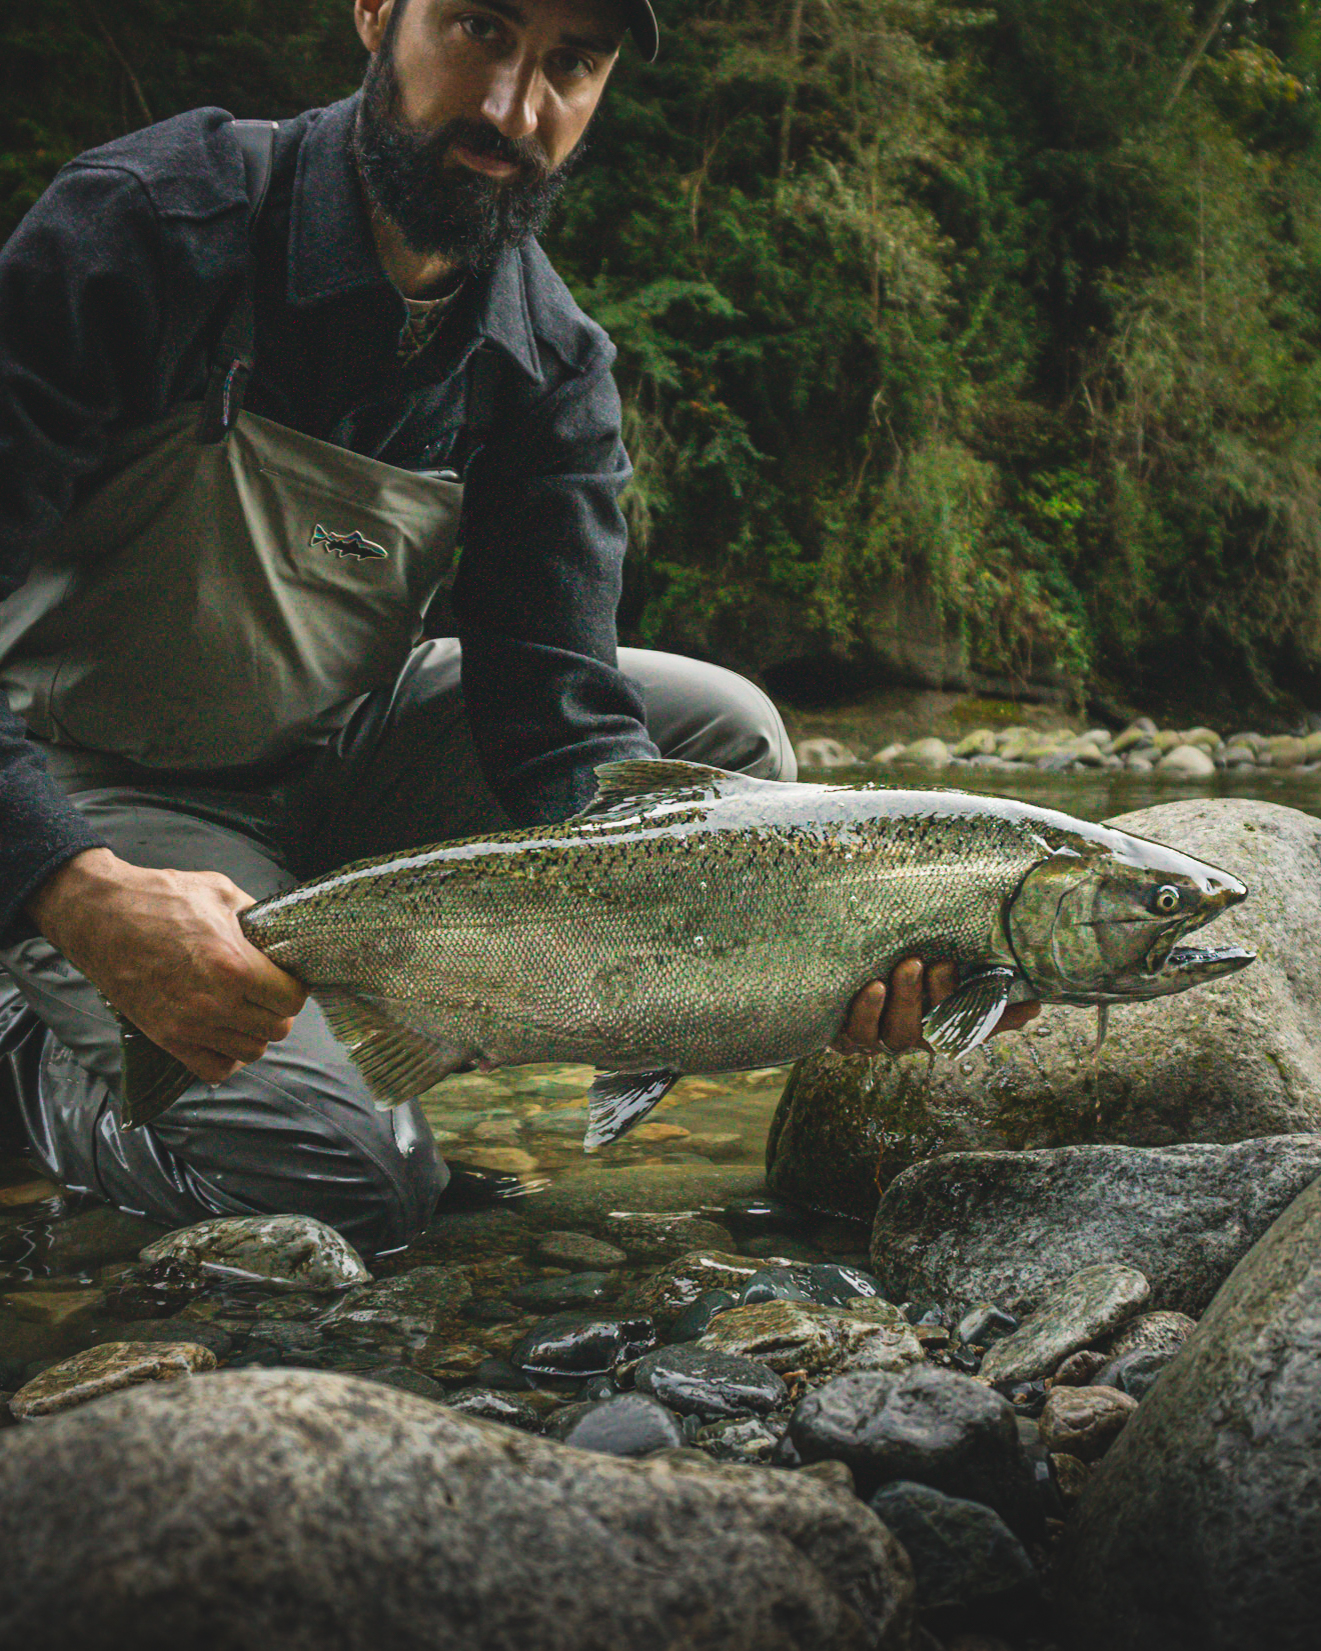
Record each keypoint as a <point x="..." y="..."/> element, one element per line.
<point x="643" y="27"/>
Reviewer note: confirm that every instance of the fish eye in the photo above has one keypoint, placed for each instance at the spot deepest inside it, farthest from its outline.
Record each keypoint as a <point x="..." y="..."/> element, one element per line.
<point x="1165" y="900"/>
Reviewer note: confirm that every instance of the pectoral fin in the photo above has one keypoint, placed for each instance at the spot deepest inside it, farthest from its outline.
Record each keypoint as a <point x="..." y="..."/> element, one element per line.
<point x="398" y="1062"/>
<point x="969" y="1014"/>
<point x="150" y="1079"/>
<point x="621" y="1099"/>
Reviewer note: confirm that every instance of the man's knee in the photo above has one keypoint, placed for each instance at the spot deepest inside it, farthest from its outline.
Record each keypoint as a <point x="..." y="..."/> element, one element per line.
<point x="699" y="712"/>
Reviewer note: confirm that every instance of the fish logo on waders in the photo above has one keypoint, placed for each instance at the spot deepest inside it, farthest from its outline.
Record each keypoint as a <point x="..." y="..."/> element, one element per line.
<point x="347" y="544"/>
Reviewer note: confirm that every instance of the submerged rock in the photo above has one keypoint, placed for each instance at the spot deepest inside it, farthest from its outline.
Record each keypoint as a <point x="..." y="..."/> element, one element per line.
<point x="1083" y="1308"/>
<point x="414" y="1303"/>
<point x="1200" y="1529"/>
<point x="239" y="1501"/>
<point x="802" y="1336"/>
<point x="926" y="1425"/>
<point x="1010" y="1227"/>
<point x="1233" y="1060"/>
<point x="108" y="1369"/>
<point x="290" y="1250"/>
<point x="578" y="1250"/>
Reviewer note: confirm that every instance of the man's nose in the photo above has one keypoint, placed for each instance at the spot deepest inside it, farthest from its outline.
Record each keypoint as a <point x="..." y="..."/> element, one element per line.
<point x="510" y="101"/>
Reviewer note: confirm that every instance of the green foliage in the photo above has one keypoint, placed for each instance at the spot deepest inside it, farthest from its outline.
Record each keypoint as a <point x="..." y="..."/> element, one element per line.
<point x="1012" y="312"/>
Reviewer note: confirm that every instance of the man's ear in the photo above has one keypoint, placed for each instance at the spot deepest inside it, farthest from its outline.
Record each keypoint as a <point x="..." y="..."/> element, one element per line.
<point x="372" y="18"/>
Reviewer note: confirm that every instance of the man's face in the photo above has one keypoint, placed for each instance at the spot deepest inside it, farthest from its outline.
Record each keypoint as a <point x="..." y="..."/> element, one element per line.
<point x="473" y="111"/>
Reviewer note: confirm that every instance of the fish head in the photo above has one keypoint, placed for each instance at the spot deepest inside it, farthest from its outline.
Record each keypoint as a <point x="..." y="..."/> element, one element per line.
<point x="1103" y="919"/>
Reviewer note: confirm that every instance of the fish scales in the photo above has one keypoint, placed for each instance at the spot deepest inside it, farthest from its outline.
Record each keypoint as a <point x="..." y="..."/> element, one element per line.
<point x="719" y="937"/>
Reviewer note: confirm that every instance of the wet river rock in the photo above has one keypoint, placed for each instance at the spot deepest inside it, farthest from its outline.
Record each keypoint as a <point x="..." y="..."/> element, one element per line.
<point x="927" y="1425"/>
<point x="696" y="1381"/>
<point x="1085" y="1421"/>
<point x="1234" y="1060"/>
<point x="582" y="1344"/>
<point x="677" y="1286"/>
<point x="825" y="1282"/>
<point x="1081" y="1310"/>
<point x="108" y="1368"/>
<point x="293" y="1251"/>
<point x="803" y="1336"/>
<point x="963" y="1553"/>
<point x="1010" y="1227"/>
<point x="1200" y="1529"/>
<point x="229" y="1512"/>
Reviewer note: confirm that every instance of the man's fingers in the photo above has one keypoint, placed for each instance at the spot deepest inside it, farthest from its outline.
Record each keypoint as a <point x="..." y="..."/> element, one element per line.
<point x="272" y="988"/>
<point x="862" y="1028"/>
<point x="207" y="1064"/>
<point x="901" y="1024"/>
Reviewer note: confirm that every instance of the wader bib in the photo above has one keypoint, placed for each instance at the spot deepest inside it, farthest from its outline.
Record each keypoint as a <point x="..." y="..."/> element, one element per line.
<point x="234" y="588"/>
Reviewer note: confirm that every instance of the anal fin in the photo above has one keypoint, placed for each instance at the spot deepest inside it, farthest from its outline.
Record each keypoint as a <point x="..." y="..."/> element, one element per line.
<point x="398" y="1062"/>
<point x="151" y="1080"/>
<point x="618" y="1100"/>
<point x="970" y="1013"/>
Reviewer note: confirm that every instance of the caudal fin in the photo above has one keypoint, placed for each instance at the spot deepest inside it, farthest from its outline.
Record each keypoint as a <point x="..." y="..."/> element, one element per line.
<point x="151" y="1080"/>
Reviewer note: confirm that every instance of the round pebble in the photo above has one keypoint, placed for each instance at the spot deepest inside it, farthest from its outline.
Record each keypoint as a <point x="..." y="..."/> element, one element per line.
<point x="631" y="1424"/>
<point x="699" y="1382"/>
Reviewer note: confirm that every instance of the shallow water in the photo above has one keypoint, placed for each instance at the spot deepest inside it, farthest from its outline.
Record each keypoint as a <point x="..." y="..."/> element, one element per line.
<point x="515" y="1136"/>
<point x="1097" y="795"/>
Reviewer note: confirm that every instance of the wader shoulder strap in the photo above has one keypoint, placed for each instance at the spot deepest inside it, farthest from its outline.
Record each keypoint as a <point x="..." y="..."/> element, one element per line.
<point x="233" y="362"/>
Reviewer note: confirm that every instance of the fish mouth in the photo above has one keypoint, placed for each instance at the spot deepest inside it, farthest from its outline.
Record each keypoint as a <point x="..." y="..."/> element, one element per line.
<point x="1190" y="965"/>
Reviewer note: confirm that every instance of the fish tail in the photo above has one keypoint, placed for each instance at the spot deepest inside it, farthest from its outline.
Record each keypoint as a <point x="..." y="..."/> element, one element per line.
<point x="151" y="1080"/>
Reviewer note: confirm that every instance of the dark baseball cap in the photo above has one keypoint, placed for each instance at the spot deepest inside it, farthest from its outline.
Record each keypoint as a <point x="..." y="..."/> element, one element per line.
<point x="643" y="27"/>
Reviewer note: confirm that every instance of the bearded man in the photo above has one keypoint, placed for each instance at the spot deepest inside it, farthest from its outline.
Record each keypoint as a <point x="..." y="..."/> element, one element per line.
<point x="276" y="402"/>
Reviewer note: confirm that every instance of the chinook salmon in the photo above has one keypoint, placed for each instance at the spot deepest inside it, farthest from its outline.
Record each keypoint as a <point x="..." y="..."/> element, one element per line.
<point x="692" y="920"/>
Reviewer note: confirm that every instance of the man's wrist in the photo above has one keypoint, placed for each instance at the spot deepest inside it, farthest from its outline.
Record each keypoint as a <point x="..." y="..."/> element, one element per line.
<point x="67" y="891"/>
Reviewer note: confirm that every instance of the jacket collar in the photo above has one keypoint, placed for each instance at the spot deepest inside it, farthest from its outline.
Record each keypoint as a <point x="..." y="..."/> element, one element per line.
<point x="331" y="251"/>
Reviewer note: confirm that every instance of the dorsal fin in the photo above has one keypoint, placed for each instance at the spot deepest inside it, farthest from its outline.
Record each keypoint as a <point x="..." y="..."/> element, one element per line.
<point x="644" y="776"/>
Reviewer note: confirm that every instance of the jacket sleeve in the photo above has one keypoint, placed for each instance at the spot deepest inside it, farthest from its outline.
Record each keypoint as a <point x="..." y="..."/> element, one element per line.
<point x="535" y="597"/>
<point x="79" y="328"/>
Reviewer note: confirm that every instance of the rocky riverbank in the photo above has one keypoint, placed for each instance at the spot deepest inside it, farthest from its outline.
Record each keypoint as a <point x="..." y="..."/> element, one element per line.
<point x="1141" y="748"/>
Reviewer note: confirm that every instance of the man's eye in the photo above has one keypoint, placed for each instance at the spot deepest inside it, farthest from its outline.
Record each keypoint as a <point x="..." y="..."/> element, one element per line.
<point x="481" y="28"/>
<point x="573" y="66"/>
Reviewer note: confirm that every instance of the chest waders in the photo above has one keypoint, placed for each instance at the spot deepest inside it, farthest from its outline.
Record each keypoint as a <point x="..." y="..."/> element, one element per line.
<point x="234" y="589"/>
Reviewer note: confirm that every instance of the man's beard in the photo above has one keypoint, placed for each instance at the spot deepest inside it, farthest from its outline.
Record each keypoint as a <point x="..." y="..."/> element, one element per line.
<point x="451" y="210"/>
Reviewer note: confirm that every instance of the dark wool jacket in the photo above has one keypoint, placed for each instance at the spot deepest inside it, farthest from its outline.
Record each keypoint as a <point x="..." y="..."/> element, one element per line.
<point x="113" y="293"/>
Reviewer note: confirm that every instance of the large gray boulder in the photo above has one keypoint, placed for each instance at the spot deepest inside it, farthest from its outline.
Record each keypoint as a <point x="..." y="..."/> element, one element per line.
<point x="1200" y="1530"/>
<point x="1229" y="1061"/>
<point x="295" y="1509"/>
<point x="1009" y="1227"/>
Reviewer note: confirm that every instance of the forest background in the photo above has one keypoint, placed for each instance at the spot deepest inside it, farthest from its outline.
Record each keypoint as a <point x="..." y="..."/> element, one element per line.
<point x="956" y="344"/>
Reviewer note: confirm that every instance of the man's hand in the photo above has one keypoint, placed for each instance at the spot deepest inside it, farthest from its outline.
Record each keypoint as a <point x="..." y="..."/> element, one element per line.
<point x="889" y="1014"/>
<point x="165" y="949"/>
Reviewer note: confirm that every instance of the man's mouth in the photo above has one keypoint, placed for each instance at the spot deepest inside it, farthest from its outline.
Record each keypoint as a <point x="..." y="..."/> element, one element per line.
<point x="490" y="165"/>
